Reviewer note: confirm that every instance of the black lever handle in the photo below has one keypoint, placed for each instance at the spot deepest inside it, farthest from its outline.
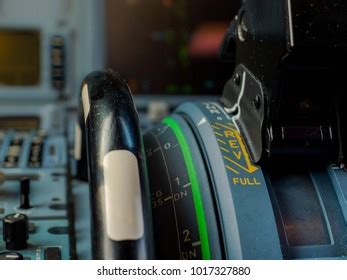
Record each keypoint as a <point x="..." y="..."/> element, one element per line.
<point x="119" y="193"/>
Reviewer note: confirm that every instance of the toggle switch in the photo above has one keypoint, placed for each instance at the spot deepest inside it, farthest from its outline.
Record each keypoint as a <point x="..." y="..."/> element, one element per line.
<point x="24" y="193"/>
<point x="14" y="177"/>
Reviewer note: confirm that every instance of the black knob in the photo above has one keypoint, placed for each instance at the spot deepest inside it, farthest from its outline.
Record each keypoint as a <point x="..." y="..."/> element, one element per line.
<point x="24" y="193"/>
<point x="16" y="231"/>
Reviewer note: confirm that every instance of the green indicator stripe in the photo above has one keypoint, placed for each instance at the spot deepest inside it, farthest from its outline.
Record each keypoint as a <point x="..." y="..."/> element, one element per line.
<point x="199" y="208"/>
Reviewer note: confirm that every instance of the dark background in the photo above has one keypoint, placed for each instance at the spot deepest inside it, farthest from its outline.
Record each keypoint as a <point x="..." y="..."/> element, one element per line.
<point x="151" y="43"/>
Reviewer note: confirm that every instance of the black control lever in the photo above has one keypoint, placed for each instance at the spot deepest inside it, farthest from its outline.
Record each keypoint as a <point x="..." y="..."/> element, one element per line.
<point x="119" y="193"/>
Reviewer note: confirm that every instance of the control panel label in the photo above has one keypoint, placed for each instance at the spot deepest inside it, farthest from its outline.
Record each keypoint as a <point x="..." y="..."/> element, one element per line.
<point x="232" y="147"/>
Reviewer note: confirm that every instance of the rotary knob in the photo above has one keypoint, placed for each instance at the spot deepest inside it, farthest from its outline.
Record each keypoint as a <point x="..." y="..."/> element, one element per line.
<point x="16" y="231"/>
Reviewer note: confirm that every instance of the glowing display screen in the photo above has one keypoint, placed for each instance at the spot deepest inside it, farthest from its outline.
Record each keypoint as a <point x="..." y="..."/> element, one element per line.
<point x="169" y="46"/>
<point x="19" y="57"/>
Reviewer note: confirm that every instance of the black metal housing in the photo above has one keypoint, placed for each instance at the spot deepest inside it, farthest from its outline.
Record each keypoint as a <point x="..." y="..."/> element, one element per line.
<point x="293" y="53"/>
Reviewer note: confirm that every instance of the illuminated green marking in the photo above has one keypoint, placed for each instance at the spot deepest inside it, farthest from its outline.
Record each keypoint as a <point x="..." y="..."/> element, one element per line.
<point x="199" y="208"/>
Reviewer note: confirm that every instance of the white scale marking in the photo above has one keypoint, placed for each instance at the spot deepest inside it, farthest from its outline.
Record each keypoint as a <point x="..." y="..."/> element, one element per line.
<point x="173" y="203"/>
<point x="203" y="121"/>
<point x="161" y="131"/>
<point x="175" y="146"/>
